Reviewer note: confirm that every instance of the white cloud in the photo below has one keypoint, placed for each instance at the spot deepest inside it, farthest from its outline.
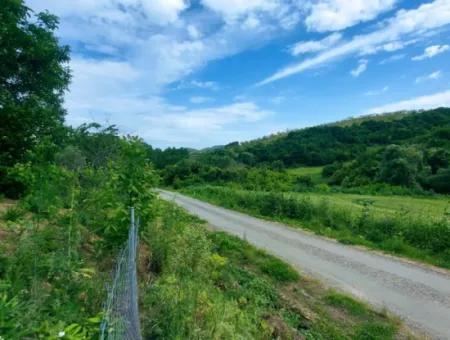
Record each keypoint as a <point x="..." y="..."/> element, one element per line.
<point x="193" y="32"/>
<point x="200" y="99"/>
<point x="333" y="15"/>
<point x="419" y="21"/>
<point x="362" y="67"/>
<point x="158" y="122"/>
<point x="234" y="8"/>
<point x="441" y="99"/>
<point x="377" y="92"/>
<point x="211" y="85"/>
<point x="432" y="76"/>
<point x="157" y="11"/>
<point x="251" y="22"/>
<point x="111" y="93"/>
<point x="431" y="51"/>
<point x="303" y="47"/>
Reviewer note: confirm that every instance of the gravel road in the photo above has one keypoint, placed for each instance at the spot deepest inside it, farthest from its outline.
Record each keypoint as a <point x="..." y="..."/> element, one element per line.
<point x="419" y="294"/>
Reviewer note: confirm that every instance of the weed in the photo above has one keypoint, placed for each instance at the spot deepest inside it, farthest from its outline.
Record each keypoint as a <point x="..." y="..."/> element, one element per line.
<point x="13" y="214"/>
<point x="375" y="331"/>
<point x="350" y="305"/>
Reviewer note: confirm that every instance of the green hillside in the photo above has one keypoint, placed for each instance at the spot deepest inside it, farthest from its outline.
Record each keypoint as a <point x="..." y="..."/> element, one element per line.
<point x="403" y="150"/>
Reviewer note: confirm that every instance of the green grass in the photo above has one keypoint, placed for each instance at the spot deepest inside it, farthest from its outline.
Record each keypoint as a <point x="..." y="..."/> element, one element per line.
<point x="350" y="305"/>
<point x="271" y="266"/>
<point x="435" y="208"/>
<point x="374" y="331"/>
<point x="315" y="172"/>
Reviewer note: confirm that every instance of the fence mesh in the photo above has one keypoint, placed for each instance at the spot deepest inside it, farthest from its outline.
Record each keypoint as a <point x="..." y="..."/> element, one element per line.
<point x="121" y="314"/>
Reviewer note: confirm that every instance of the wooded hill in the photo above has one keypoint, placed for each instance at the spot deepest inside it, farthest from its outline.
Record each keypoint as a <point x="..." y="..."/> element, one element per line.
<point x="412" y="150"/>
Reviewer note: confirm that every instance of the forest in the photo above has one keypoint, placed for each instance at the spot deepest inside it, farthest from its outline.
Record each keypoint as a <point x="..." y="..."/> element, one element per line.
<point x="65" y="194"/>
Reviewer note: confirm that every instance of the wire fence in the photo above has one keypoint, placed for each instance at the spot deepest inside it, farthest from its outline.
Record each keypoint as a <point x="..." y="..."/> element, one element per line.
<point x="121" y="314"/>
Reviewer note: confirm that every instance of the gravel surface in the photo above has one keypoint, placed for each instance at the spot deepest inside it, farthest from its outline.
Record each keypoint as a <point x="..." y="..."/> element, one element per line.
<point x="417" y="293"/>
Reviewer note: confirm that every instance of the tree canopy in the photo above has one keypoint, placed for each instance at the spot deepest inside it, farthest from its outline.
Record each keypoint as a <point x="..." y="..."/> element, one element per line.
<point x="34" y="74"/>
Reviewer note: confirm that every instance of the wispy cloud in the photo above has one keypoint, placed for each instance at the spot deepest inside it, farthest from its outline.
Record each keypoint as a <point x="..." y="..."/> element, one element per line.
<point x="200" y="99"/>
<point x="311" y="46"/>
<point x="333" y="15"/>
<point x="377" y="92"/>
<point x="405" y="23"/>
<point x="431" y="51"/>
<point x="211" y="85"/>
<point x="432" y="76"/>
<point x="361" y="68"/>
<point x="440" y="99"/>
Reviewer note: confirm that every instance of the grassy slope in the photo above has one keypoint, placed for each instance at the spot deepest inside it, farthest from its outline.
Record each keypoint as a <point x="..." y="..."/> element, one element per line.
<point x="209" y="285"/>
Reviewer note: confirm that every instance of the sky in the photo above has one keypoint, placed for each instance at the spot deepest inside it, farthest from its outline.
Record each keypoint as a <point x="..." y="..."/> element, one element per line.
<point x="198" y="73"/>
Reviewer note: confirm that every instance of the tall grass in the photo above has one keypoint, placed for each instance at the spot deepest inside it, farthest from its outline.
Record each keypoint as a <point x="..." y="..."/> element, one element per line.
<point x="419" y="237"/>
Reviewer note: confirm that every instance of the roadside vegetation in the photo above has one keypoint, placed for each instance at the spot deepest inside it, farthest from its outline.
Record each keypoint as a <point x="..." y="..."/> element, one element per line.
<point x="399" y="229"/>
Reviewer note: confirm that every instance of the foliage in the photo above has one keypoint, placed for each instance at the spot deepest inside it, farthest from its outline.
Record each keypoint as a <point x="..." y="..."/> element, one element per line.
<point x="72" y="215"/>
<point x="33" y="78"/>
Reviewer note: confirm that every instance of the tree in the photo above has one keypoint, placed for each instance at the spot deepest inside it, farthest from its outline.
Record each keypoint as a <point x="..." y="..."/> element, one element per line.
<point x="437" y="159"/>
<point x="33" y="77"/>
<point x="400" y="165"/>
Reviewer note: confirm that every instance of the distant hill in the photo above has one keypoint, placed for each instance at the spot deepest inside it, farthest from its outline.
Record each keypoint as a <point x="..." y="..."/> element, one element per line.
<point x="341" y="141"/>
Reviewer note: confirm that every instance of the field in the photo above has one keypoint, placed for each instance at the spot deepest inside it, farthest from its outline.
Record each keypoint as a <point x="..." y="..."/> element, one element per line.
<point x="435" y="207"/>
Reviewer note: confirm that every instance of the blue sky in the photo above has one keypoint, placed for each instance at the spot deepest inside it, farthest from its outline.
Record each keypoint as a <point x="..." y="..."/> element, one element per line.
<point x="198" y="73"/>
